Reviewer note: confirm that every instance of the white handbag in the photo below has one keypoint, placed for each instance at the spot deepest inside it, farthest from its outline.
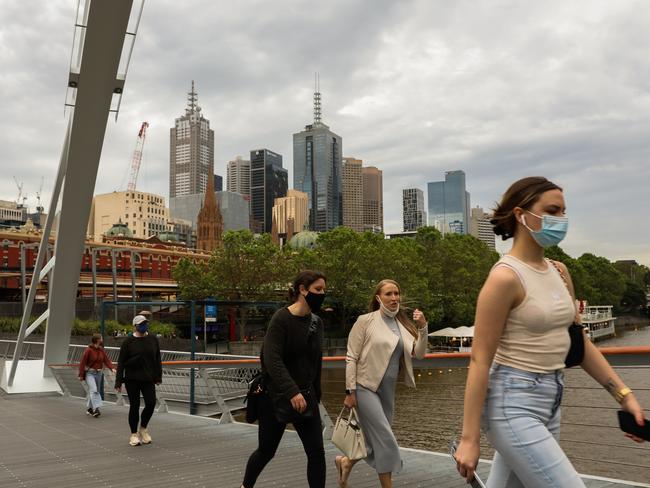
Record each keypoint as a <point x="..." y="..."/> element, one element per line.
<point x="347" y="435"/>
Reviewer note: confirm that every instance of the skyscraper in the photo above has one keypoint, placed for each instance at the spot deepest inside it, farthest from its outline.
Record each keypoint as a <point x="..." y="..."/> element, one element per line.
<point x="269" y="180"/>
<point x="238" y="176"/>
<point x="191" y="157"/>
<point x="413" y="213"/>
<point x="352" y="194"/>
<point x="449" y="203"/>
<point x="373" y="199"/>
<point x="317" y="158"/>
<point x="481" y="227"/>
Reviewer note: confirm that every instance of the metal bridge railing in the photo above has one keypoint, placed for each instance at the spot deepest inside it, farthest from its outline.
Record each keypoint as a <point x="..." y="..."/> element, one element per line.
<point x="195" y="386"/>
<point x="590" y="433"/>
<point x="34" y="350"/>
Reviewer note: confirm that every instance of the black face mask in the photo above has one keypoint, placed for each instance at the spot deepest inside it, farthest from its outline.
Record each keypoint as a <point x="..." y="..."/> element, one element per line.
<point x="315" y="300"/>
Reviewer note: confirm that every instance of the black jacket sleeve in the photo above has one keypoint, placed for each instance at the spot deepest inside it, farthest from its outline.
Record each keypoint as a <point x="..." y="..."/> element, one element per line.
<point x="319" y="368"/>
<point x="124" y="355"/>
<point x="158" y="375"/>
<point x="273" y="357"/>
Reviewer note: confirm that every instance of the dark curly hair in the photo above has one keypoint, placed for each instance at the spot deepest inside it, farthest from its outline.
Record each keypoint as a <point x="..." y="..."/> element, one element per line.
<point x="523" y="193"/>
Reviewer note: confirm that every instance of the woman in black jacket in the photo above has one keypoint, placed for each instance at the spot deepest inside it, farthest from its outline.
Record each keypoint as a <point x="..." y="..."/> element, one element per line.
<point x="140" y="369"/>
<point x="291" y="361"/>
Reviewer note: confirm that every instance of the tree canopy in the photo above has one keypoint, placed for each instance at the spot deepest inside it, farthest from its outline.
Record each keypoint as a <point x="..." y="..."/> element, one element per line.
<point x="442" y="275"/>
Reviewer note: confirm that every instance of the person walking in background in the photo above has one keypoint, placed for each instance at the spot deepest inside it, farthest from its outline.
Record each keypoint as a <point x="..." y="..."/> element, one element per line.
<point x="521" y="340"/>
<point x="380" y="344"/>
<point x="91" y="370"/>
<point x="139" y="368"/>
<point x="291" y="361"/>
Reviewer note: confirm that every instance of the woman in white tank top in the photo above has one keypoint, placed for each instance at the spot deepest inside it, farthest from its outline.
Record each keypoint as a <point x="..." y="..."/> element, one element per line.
<point x="515" y="380"/>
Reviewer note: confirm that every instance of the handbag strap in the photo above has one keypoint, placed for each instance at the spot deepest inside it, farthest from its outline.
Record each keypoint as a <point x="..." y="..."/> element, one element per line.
<point x="566" y="283"/>
<point x="559" y="270"/>
<point x="352" y="415"/>
<point x="563" y="276"/>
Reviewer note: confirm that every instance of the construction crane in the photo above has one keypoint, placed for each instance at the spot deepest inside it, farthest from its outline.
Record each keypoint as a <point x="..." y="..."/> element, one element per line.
<point x="137" y="156"/>
<point x="20" y="192"/>
<point x="39" y="207"/>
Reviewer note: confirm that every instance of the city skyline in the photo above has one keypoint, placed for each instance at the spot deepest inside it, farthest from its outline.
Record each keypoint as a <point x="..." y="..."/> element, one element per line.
<point x="493" y="91"/>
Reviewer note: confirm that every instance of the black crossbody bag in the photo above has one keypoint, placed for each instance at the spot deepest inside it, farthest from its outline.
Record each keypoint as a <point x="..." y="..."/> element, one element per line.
<point x="256" y="389"/>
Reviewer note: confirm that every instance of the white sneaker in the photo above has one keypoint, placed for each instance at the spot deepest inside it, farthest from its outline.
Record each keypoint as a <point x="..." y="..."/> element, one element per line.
<point x="134" y="440"/>
<point x="144" y="436"/>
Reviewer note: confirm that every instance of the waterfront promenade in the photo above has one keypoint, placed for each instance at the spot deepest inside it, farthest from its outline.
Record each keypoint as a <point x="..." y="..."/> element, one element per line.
<point x="48" y="441"/>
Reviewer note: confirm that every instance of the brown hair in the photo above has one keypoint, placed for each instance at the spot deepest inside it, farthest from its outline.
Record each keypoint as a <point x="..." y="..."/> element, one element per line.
<point x="96" y="338"/>
<point x="305" y="278"/>
<point x="523" y="193"/>
<point x="402" y="316"/>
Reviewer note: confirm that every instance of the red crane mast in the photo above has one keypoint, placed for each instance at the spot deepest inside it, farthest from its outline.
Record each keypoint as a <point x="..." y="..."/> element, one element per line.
<point x="137" y="156"/>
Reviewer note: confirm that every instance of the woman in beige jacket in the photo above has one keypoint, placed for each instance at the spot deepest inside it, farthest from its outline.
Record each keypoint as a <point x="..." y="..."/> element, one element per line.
<point x="381" y="344"/>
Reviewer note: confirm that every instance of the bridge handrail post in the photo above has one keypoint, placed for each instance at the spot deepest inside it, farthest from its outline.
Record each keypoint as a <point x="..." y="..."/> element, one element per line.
<point x="192" y="355"/>
<point x="211" y="385"/>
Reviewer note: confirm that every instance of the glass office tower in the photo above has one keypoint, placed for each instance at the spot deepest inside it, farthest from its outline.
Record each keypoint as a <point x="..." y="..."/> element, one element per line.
<point x="269" y="180"/>
<point x="449" y="204"/>
<point x="317" y="171"/>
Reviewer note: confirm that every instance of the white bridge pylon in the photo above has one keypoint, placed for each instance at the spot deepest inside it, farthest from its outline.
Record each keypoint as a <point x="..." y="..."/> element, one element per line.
<point x="94" y="82"/>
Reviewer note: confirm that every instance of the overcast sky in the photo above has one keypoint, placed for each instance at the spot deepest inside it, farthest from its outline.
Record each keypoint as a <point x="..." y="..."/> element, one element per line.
<point x="500" y="89"/>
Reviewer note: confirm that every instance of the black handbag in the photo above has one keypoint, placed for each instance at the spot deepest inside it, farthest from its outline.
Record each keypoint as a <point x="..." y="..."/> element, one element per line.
<point x="576" y="353"/>
<point x="256" y="389"/>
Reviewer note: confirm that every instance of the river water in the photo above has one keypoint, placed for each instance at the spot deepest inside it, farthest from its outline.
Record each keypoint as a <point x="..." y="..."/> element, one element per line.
<point x="431" y="415"/>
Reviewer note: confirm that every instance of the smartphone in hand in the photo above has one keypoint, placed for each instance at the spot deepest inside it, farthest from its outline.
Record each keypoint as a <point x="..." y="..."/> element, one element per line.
<point x="628" y="424"/>
<point x="476" y="482"/>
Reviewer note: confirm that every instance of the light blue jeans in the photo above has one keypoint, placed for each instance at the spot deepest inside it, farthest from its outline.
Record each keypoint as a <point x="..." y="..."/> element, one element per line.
<point x="93" y="380"/>
<point x="522" y="421"/>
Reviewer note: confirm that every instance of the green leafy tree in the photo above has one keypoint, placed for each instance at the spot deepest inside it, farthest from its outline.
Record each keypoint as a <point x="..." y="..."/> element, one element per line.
<point x="466" y="262"/>
<point x="192" y="279"/>
<point x="352" y="263"/>
<point x="634" y="297"/>
<point x="244" y="268"/>
<point x="604" y="284"/>
<point x="402" y="261"/>
<point x="429" y="259"/>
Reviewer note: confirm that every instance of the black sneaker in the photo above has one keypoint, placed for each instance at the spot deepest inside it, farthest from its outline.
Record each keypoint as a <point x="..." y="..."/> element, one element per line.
<point x="96" y="413"/>
<point x="89" y="411"/>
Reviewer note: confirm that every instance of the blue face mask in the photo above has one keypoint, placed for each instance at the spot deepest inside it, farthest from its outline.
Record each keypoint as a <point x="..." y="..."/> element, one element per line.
<point x="142" y="327"/>
<point x="552" y="231"/>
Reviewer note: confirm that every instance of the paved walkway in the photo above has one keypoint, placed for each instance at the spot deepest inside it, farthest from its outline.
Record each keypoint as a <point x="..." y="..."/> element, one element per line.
<point x="48" y="441"/>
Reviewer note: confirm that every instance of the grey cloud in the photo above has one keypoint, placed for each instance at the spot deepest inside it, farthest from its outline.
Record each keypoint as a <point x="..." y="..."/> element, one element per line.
<point x="416" y="88"/>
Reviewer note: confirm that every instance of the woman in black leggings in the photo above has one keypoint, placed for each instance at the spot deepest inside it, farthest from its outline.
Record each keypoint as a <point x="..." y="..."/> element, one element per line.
<point x="139" y="368"/>
<point x="291" y="360"/>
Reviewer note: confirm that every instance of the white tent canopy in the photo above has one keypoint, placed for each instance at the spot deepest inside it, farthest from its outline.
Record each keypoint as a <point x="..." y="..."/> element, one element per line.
<point x="454" y="332"/>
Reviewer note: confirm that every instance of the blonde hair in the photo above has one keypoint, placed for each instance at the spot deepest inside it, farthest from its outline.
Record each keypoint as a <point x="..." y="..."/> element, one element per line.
<point x="401" y="316"/>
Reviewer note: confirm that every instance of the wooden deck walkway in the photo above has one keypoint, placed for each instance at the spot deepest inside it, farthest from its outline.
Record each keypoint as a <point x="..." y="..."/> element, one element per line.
<point x="48" y="441"/>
